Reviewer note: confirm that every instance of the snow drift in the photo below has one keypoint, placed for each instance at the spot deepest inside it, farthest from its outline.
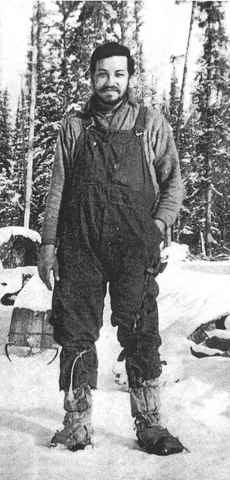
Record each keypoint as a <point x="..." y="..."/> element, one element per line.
<point x="195" y="398"/>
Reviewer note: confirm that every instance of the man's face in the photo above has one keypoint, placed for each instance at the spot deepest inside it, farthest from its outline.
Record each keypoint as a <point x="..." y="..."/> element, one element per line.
<point x="110" y="79"/>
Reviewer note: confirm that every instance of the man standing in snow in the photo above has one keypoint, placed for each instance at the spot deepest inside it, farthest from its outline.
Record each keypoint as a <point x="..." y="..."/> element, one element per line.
<point x="116" y="187"/>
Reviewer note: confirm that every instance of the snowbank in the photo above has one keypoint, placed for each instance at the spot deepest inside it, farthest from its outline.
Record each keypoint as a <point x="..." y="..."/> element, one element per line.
<point x="176" y="252"/>
<point x="218" y="267"/>
<point x="35" y="295"/>
<point x="195" y="399"/>
<point x="11" y="279"/>
<point x="7" y="232"/>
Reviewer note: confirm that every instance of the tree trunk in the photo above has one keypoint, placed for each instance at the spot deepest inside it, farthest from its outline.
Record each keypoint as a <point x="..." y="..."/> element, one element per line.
<point x="208" y="220"/>
<point x="202" y="243"/>
<point x="29" y="160"/>
<point x="126" y="20"/>
<point x="208" y="159"/>
<point x="181" y="101"/>
<point x="185" y="71"/>
<point x="144" y="77"/>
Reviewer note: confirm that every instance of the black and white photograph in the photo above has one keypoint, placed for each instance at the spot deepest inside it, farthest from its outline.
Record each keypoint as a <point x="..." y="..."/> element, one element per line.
<point x="114" y="240"/>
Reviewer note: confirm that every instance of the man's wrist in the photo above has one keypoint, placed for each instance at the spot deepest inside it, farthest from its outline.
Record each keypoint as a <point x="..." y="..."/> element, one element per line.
<point x="161" y="226"/>
<point x="45" y="243"/>
<point x="48" y="248"/>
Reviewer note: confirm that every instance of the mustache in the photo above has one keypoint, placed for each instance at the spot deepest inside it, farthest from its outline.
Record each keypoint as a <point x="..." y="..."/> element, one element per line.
<point x="109" y="89"/>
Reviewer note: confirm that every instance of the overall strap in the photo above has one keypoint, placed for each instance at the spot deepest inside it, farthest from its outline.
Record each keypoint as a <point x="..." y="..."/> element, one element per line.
<point x="79" y="137"/>
<point x="139" y="126"/>
<point x="86" y="121"/>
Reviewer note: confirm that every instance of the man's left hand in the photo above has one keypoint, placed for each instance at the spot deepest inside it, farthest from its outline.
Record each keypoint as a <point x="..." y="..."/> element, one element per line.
<point x="161" y="226"/>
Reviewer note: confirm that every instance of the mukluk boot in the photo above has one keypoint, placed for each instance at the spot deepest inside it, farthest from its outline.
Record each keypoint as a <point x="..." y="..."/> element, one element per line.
<point x="77" y="431"/>
<point x="151" y="435"/>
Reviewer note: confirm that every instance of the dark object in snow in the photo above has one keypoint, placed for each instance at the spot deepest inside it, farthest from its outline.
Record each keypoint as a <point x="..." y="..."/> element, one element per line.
<point x="200" y="334"/>
<point x="9" y="298"/>
<point x="207" y="343"/>
<point x="19" y="251"/>
<point x="31" y="330"/>
<point x="222" y="344"/>
<point x="200" y="354"/>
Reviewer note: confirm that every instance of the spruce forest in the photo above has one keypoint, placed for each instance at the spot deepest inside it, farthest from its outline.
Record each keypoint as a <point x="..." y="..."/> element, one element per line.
<point x="56" y="81"/>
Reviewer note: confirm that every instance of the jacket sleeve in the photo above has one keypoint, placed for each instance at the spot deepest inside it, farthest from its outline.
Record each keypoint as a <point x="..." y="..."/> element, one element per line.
<point x="168" y="173"/>
<point x="49" y="229"/>
<point x="66" y="141"/>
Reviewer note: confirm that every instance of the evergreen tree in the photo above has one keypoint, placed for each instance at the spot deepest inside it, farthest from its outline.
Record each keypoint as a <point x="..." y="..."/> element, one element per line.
<point x="145" y="82"/>
<point x="49" y="111"/>
<point x="212" y="130"/>
<point x="5" y="132"/>
<point x="189" y="229"/>
<point x="185" y="72"/>
<point x="20" y="140"/>
<point x="9" y="197"/>
<point x="174" y="97"/>
<point x="32" y="112"/>
<point x="125" y="24"/>
<point x="97" y="23"/>
<point x="66" y="23"/>
<point x="170" y="110"/>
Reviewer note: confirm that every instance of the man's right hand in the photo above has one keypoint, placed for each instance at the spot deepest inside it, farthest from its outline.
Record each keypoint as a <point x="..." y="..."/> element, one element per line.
<point x="48" y="264"/>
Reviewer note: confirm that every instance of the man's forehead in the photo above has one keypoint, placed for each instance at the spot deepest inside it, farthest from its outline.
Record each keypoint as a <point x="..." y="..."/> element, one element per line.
<point x="115" y="61"/>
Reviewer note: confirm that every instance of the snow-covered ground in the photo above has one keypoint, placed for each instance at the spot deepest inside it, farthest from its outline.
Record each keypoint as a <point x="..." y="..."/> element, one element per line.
<point x="195" y="397"/>
<point x="7" y="232"/>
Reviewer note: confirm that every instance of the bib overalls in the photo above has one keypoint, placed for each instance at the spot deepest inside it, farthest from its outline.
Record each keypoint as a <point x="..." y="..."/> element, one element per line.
<point x="107" y="235"/>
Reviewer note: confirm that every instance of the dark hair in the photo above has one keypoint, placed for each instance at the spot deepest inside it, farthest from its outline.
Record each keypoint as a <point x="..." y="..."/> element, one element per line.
<point x="111" y="49"/>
